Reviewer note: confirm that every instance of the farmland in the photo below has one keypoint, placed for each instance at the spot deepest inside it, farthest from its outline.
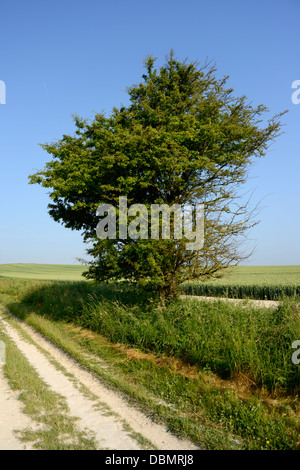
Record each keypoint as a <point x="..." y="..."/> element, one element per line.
<point x="216" y="373"/>
<point x="250" y="278"/>
<point x="255" y="282"/>
<point x="63" y="272"/>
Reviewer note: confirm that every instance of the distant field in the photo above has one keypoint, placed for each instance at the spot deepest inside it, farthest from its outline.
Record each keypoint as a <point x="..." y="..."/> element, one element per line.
<point x="241" y="275"/>
<point x="62" y="272"/>
<point x="270" y="275"/>
<point x="257" y="282"/>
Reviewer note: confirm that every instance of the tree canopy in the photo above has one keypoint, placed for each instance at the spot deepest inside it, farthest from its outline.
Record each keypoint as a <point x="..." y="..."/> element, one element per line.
<point x="183" y="139"/>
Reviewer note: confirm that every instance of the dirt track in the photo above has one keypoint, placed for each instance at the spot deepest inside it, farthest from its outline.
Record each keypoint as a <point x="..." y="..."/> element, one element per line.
<point x="255" y="303"/>
<point x="109" y="430"/>
<point x="11" y="417"/>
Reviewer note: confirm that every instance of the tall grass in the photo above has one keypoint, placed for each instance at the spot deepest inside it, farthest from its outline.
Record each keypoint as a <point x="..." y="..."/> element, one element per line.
<point x="226" y="339"/>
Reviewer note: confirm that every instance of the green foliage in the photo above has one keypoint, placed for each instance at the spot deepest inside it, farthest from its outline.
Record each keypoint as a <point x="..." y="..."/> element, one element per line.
<point x="183" y="139"/>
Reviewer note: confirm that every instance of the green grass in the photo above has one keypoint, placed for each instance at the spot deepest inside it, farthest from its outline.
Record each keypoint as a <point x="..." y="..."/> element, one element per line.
<point x="219" y="374"/>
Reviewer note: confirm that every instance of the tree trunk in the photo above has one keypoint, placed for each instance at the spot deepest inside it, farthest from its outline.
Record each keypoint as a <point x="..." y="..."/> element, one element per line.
<point x="168" y="292"/>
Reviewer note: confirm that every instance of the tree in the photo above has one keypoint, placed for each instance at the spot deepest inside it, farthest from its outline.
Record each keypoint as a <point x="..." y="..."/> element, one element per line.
<point x="183" y="139"/>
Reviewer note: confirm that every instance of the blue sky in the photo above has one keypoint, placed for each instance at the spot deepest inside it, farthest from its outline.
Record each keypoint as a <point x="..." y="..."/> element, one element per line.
<point x="64" y="57"/>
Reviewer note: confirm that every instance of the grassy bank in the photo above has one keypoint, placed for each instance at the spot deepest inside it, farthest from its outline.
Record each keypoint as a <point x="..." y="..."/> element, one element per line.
<point x="217" y="373"/>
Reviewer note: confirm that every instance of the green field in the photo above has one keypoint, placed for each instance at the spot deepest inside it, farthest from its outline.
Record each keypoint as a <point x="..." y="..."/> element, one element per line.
<point x="264" y="275"/>
<point x="242" y="275"/>
<point x="256" y="282"/>
<point x="52" y="272"/>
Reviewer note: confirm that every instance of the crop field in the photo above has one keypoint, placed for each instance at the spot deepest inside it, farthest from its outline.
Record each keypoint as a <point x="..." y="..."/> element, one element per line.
<point x="240" y="275"/>
<point x="255" y="282"/>
<point x="54" y="272"/>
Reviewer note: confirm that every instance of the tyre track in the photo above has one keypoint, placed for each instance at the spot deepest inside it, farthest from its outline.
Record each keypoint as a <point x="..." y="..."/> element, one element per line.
<point x="108" y="428"/>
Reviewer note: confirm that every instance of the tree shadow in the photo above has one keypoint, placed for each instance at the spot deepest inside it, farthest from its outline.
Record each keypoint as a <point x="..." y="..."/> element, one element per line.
<point x="66" y="300"/>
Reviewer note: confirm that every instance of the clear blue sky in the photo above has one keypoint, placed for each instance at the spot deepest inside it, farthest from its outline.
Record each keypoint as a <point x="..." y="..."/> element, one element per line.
<point x="64" y="57"/>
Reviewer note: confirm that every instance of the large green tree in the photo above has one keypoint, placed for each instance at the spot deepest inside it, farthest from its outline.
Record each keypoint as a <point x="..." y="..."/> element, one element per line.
<point x="183" y="139"/>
